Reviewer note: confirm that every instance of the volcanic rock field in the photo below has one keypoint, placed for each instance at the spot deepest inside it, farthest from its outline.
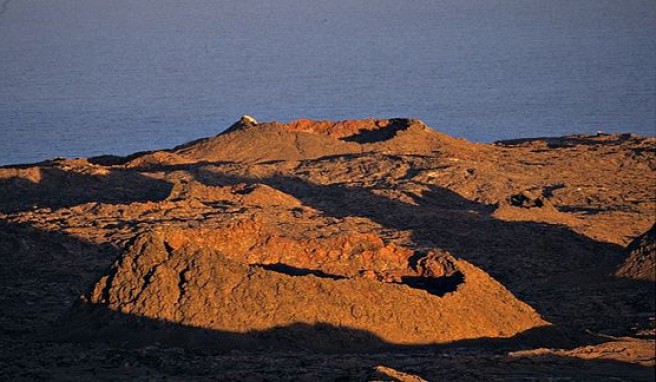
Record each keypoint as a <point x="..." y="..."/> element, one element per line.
<point x="317" y="250"/>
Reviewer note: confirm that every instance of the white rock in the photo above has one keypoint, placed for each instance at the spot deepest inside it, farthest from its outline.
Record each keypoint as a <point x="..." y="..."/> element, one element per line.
<point x="247" y="119"/>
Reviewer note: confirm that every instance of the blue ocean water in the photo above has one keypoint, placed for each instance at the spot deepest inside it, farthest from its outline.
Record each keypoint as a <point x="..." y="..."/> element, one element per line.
<point x="90" y="77"/>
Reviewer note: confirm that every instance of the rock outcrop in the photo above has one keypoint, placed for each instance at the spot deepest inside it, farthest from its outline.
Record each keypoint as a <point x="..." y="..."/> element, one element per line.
<point x="240" y="283"/>
<point x="641" y="261"/>
<point x="247" y="142"/>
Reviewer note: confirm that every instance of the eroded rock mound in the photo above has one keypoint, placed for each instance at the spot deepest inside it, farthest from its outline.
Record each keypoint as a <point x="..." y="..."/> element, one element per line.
<point x="397" y="297"/>
<point x="246" y="142"/>
<point x="641" y="263"/>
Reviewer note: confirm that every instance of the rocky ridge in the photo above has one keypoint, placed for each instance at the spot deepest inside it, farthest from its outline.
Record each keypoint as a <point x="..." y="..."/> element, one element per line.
<point x="336" y="237"/>
<point x="395" y="296"/>
<point x="641" y="262"/>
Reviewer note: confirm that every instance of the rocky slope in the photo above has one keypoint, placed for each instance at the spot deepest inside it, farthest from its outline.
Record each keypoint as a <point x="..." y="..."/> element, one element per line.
<point x="641" y="263"/>
<point x="271" y="242"/>
<point x="381" y="294"/>
<point x="303" y="140"/>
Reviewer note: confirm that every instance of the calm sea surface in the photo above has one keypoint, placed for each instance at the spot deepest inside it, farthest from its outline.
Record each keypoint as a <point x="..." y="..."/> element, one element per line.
<point x="89" y="77"/>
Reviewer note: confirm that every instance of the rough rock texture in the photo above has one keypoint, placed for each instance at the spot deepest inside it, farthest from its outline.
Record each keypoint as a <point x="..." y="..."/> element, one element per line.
<point x="383" y="373"/>
<point x="416" y="219"/>
<point x="641" y="262"/>
<point x="400" y="298"/>
<point x="628" y="350"/>
<point x="304" y="139"/>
